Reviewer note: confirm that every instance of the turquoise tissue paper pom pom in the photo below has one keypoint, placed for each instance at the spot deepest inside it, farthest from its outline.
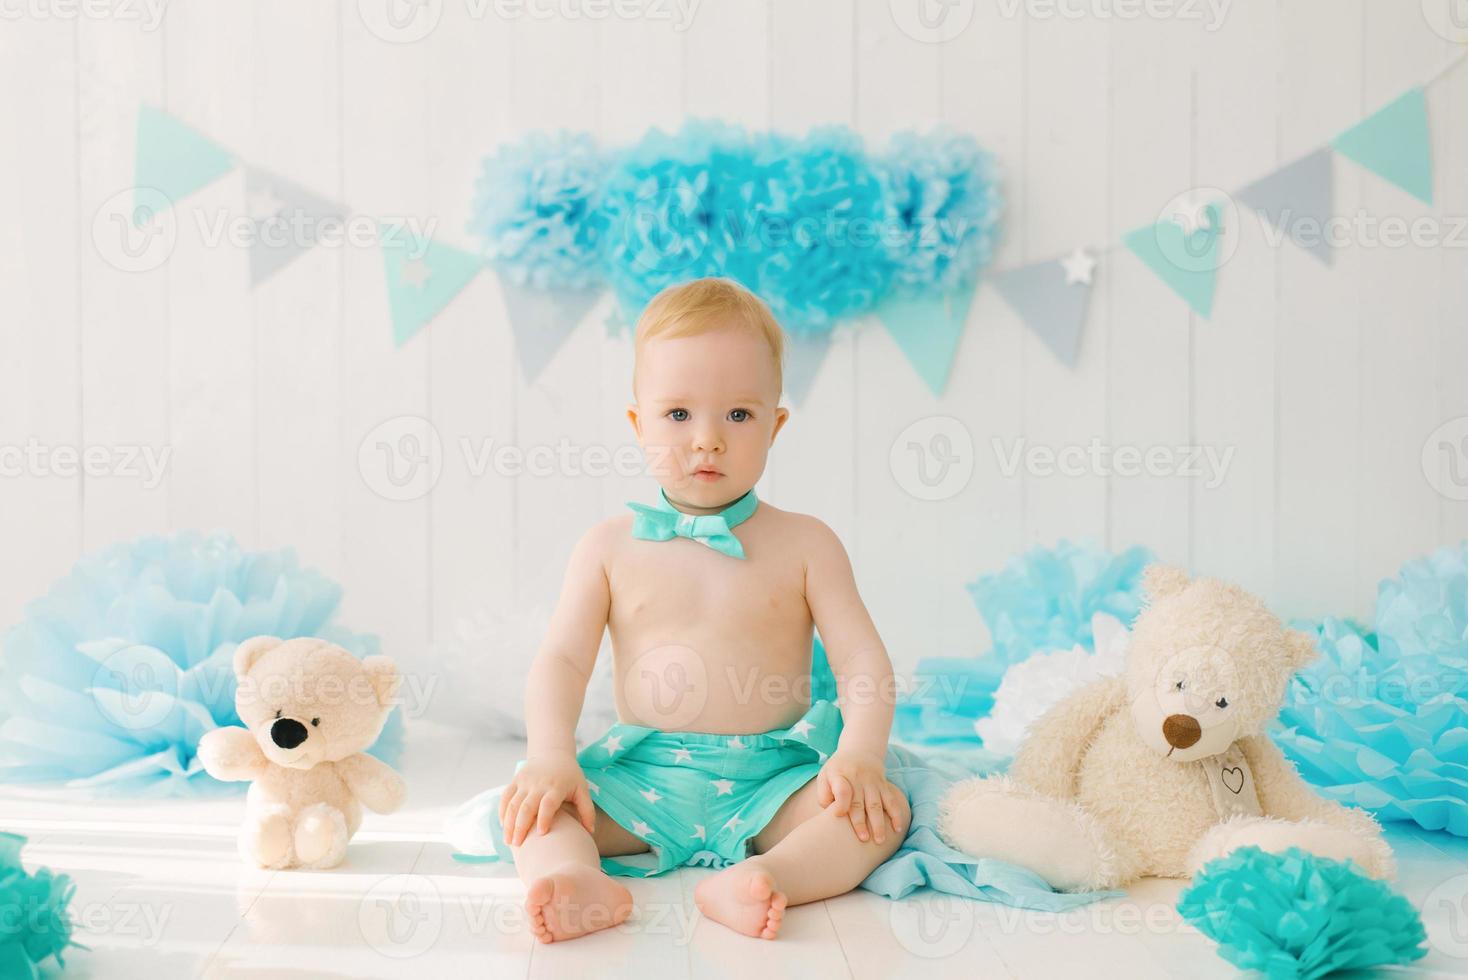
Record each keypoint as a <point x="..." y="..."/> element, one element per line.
<point x="1379" y="721"/>
<point x="34" y="922"/>
<point x="537" y="210"/>
<point x="114" y="675"/>
<point x="1295" y="915"/>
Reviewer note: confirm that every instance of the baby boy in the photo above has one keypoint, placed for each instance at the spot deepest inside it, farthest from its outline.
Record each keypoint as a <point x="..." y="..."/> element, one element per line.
<point x="721" y="756"/>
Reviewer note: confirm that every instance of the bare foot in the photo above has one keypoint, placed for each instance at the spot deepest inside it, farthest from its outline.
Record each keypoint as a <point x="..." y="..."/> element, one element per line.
<point x="743" y="897"/>
<point x="575" y="901"/>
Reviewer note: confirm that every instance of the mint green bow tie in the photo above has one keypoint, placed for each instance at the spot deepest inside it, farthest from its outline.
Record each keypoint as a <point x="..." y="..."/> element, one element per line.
<point x="664" y="522"/>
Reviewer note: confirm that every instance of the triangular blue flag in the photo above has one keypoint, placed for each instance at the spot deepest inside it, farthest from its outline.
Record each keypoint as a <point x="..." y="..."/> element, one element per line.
<point x="542" y="319"/>
<point x="804" y="355"/>
<point x="1394" y="143"/>
<point x="174" y="158"/>
<point x="422" y="278"/>
<point x="268" y="197"/>
<point x="1303" y="189"/>
<point x="1185" y="259"/>
<point x="927" y="329"/>
<point x="1053" y="307"/>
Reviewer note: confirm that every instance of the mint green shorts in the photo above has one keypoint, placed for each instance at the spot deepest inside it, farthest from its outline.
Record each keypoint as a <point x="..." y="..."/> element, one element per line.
<point x="694" y="797"/>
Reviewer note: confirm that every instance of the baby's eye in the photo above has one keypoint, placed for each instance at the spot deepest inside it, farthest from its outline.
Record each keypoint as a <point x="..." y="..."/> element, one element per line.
<point x="1222" y="702"/>
<point x="678" y="414"/>
<point x="738" y="414"/>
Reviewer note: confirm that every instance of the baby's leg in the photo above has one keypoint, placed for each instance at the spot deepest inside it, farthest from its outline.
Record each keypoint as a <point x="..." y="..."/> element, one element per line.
<point x="805" y="854"/>
<point x="566" y="892"/>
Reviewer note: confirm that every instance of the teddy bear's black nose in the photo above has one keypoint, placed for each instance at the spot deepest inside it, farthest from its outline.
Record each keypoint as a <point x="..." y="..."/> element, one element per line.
<point x="287" y="733"/>
<point x="1180" y="731"/>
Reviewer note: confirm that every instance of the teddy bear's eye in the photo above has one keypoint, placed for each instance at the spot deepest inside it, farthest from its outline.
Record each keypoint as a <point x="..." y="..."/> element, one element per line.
<point x="317" y="721"/>
<point x="1222" y="702"/>
<point x="1179" y="685"/>
<point x="277" y="712"/>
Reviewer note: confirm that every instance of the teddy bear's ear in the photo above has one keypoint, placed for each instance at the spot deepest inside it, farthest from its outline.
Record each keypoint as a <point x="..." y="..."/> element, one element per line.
<point x="1301" y="648"/>
<point x="383" y="674"/>
<point x="252" y="650"/>
<point x="1162" y="581"/>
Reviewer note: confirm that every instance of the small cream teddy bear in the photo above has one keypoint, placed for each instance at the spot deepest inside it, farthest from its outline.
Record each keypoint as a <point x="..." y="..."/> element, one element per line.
<point x="310" y="710"/>
<point x="1168" y="766"/>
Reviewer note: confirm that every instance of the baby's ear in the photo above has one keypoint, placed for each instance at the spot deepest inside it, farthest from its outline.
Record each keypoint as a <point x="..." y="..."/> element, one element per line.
<point x="636" y="420"/>
<point x="251" y="650"/>
<point x="384" y="676"/>
<point x="1162" y="581"/>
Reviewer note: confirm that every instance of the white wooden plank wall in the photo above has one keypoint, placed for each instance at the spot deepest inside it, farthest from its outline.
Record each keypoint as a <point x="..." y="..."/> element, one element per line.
<point x="1323" y="383"/>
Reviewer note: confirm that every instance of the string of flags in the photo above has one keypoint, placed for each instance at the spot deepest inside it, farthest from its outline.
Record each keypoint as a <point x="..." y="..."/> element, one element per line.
<point x="423" y="275"/>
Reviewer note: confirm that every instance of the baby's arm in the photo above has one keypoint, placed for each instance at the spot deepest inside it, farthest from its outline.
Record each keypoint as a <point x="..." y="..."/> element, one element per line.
<point x="554" y="695"/>
<point x="855" y="776"/>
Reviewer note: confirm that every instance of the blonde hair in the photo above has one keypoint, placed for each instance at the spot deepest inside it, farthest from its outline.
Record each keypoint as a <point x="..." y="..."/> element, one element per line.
<point x="704" y="305"/>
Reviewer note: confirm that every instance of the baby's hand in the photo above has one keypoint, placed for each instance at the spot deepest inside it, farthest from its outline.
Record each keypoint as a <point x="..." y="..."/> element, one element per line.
<point x="537" y="791"/>
<point x="857" y="783"/>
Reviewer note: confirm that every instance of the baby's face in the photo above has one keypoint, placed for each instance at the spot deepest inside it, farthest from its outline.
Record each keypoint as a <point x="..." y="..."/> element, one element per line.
<point x="706" y="414"/>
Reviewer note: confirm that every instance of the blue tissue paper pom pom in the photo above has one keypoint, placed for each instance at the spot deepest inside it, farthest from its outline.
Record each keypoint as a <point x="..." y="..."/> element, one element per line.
<point x="116" y="673"/>
<point x="34" y="922"/>
<point x="1379" y="721"/>
<point x="1294" y="915"/>
<point x="1043" y="600"/>
<point x="944" y="206"/>
<point x="537" y="211"/>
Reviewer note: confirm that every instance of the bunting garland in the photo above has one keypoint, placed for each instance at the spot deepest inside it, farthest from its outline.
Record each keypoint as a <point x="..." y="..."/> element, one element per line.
<point x="933" y="283"/>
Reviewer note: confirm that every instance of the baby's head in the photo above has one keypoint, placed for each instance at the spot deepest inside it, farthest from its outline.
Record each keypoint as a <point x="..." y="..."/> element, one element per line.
<point x="706" y="390"/>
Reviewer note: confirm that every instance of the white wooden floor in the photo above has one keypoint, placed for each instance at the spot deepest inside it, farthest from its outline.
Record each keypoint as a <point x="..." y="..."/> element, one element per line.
<point x="160" y="893"/>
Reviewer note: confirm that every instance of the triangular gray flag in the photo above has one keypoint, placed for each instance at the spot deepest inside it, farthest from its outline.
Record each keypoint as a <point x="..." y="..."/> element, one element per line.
<point x="1298" y="199"/>
<point x="542" y="319"/>
<point x="804" y="355"/>
<point x="1053" y="309"/>
<point x="288" y="219"/>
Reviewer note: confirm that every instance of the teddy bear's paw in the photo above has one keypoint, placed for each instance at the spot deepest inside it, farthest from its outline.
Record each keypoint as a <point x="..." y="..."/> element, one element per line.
<point x="265" y="838"/>
<point x="996" y="818"/>
<point x="320" y="836"/>
<point x="1275" y="835"/>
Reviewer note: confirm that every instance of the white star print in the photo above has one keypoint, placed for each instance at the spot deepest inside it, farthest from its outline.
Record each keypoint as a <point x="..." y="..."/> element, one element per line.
<point x="594" y="787"/>
<point x="682" y="755"/>
<point x="1078" y="266"/>
<point x="641" y="829"/>
<point x="733" y="822"/>
<point x="724" y="786"/>
<point x="698" y="832"/>
<point x="652" y="795"/>
<point x="801" y="727"/>
<point x="736" y="743"/>
<point x="612" y="744"/>
<point x="821" y="754"/>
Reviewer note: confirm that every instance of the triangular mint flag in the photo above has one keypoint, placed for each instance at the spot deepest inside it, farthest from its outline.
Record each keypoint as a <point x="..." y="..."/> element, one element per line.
<point x="542" y="319"/>
<point x="1305" y="190"/>
<point x="422" y="278"/>
<point x="174" y="158"/>
<point x="927" y="329"/>
<point x="804" y="355"/>
<point x="1053" y="308"/>
<point x="288" y="220"/>
<point x="1187" y="260"/>
<point x="1393" y="142"/>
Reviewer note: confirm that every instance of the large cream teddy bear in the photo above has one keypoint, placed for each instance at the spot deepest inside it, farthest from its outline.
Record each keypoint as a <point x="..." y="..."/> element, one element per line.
<point x="310" y="709"/>
<point x="1168" y="766"/>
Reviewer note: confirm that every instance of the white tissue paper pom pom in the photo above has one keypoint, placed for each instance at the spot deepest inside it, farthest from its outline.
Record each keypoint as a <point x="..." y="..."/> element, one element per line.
<point x="1040" y="682"/>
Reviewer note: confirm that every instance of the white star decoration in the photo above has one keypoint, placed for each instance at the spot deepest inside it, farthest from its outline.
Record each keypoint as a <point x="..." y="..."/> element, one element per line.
<point x="698" y="832"/>
<point x="724" y="786"/>
<point x="1078" y="266"/>
<point x="612" y="744"/>
<point x="736" y="743"/>
<point x="415" y="273"/>
<point x="682" y="755"/>
<point x="1190" y="211"/>
<point x="652" y="795"/>
<point x="641" y="829"/>
<point x="732" y="822"/>
<point x="801" y="727"/>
